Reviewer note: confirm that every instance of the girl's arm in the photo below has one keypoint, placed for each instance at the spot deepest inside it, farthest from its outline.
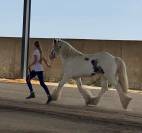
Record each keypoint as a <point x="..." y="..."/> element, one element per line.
<point x="33" y="63"/>
<point x="45" y="61"/>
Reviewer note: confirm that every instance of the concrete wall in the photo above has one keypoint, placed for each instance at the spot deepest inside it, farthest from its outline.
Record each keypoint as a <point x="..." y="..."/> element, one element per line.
<point x="130" y="51"/>
<point x="10" y="50"/>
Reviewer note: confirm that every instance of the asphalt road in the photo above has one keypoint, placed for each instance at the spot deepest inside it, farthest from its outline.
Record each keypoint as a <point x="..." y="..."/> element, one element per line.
<point x="21" y="121"/>
<point x="70" y="96"/>
<point x="13" y="121"/>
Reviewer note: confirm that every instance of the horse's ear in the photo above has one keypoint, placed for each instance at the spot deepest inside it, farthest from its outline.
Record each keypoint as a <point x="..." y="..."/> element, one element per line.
<point x="54" y="41"/>
<point x="60" y="39"/>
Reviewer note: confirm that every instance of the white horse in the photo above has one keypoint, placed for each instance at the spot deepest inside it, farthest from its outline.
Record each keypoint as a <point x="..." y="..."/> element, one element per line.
<point x="103" y="65"/>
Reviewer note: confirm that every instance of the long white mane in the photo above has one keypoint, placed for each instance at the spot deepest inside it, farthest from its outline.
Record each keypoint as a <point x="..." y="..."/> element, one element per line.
<point x="69" y="51"/>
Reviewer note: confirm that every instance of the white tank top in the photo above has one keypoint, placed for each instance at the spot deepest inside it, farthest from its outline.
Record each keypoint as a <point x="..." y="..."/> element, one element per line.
<point x="37" y="66"/>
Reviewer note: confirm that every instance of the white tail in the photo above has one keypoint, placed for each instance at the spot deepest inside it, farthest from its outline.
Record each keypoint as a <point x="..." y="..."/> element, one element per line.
<point x="122" y="74"/>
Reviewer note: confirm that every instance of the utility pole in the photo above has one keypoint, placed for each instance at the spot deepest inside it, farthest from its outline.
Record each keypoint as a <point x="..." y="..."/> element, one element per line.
<point x="25" y="37"/>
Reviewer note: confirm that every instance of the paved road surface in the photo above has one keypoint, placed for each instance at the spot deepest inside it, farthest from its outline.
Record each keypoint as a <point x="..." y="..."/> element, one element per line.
<point x="12" y="121"/>
<point x="15" y="121"/>
<point x="70" y="96"/>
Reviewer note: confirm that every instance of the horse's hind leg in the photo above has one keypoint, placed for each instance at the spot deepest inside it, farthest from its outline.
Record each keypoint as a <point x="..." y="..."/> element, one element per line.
<point x="123" y="97"/>
<point x="113" y="79"/>
<point x="104" y="84"/>
<point x="85" y="93"/>
<point x="57" y="92"/>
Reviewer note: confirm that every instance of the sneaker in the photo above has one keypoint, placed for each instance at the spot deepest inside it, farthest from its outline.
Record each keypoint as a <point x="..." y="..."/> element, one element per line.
<point x="32" y="95"/>
<point x="49" y="100"/>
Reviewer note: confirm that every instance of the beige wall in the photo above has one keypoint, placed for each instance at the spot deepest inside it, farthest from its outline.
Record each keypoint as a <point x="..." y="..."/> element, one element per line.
<point x="130" y="51"/>
<point x="10" y="57"/>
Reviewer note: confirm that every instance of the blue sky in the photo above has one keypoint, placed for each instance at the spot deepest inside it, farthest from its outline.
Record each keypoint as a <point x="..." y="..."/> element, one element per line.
<point x="92" y="19"/>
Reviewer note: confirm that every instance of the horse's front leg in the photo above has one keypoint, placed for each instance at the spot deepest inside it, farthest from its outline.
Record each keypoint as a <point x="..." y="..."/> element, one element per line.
<point x="104" y="84"/>
<point x="85" y="93"/>
<point x="57" y="92"/>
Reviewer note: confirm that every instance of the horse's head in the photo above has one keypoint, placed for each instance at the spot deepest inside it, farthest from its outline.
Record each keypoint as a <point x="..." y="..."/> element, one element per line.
<point x="57" y="46"/>
<point x="63" y="48"/>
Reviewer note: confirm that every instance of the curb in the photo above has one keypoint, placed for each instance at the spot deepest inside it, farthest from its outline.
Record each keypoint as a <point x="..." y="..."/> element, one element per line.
<point x="53" y="84"/>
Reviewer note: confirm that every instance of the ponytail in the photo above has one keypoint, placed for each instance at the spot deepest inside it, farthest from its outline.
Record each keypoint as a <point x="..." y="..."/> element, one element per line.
<point x="37" y="45"/>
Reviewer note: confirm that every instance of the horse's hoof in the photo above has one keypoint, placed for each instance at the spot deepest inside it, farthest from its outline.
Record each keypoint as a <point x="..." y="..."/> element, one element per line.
<point x="92" y="101"/>
<point x="95" y="100"/>
<point x="54" y="98"/>
<point x="87" y="102"/>
<point x="126" y="102"/>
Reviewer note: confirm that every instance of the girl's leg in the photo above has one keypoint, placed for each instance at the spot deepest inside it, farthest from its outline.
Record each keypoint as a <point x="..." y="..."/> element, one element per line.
<point x="31" y="75"/>
<point x="41" y="80"/>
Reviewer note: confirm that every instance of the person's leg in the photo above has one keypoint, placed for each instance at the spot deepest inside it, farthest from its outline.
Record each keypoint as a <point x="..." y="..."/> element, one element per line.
<point x="31" y="75"/>
<point x="41" y="80"/>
